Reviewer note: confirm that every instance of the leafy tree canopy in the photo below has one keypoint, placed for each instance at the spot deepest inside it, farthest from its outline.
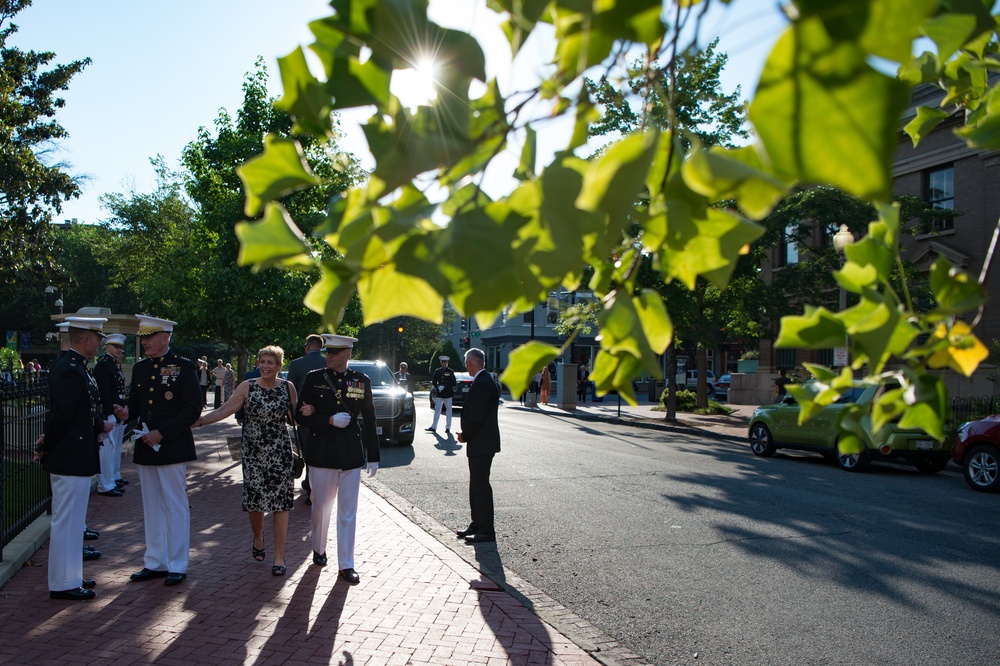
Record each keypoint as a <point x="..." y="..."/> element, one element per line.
<point x="32" y="185"/>
<point x="822" y="114"/>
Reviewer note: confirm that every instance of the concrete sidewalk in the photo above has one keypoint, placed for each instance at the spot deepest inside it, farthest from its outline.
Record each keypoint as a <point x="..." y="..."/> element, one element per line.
<point x="422" y="599"/>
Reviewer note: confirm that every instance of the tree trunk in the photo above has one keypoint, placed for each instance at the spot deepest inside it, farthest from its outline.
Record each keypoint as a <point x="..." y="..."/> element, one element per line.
<point x="702" y="366"/>
<point x="671" y="382"/>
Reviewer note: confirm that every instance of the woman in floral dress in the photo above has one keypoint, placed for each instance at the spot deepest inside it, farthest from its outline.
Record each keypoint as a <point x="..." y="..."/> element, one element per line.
<point x="268" y="484"/>
<point x="229" y="382"/>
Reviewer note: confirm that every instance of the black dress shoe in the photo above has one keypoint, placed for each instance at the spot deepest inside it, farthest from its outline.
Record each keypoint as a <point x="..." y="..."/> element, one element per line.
<point x="91" y="555"/>
<point x="121" y="482"/>
<point x="309" y="500"/>
<point x="90" y="535"/>
<point x="175" y="578"/>
<point x="147" y="574"/>
<point x="461" y="534"/>
<point x="447" y="431"/>
<point x="76" y="594"/>
<point x="88" y="583"/>
<point x="350" y="576"/>
<point x="430" y="430"/>
<point x="319" y="560"/>
<point x="88" y="548"/>
<point x="480" y="538"/>
<point x="111" y="493"/>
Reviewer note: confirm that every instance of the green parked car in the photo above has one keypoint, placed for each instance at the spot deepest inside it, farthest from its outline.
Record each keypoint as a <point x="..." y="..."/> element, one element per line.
<point x="776" y="426"/>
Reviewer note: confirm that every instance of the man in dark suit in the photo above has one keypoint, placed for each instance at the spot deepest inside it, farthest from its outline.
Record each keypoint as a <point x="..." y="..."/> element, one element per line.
<point x="481" y="435"/>
<point x="340" y="445"/>
<point x="297" y="371"/>
<point x="68" y="450"/>
<point x="166" y="399"/>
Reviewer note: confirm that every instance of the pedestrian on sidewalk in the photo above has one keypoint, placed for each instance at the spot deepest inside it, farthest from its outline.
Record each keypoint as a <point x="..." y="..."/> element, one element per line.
<point x="219" y="374"/>
<point x="165" y="398"/>
<point x="268" y="483"/>
<point x="68" y="451"/>
<point x="545" y="385"/>
<point x="204" y="378"/>
<point x="338" y="448"/>
<point x="481" y="434"/>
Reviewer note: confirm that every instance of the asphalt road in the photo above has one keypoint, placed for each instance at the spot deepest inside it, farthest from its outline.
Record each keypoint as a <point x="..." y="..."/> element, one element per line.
<point x="693" y="550"/>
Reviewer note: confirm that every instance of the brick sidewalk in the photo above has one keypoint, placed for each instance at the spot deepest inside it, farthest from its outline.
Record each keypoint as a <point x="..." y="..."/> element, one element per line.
<point x="419" y="602"/>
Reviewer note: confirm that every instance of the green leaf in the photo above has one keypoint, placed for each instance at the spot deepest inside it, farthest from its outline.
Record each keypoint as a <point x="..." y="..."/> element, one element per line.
<point x="825" y="116"/>
<point x="924" y="123"/>
<point x="707" y="247"/>
<point x="656" y="324"/>
<point x="982" y="128"/>
<point x="331" y="294"/>
<point x="386" y="293"/>
<point x="281" y="169"/>
<point x="733" y="174"/>
<point x="955" y="291"/>
<point x="885" y="28"/>
<point x="526" y="169"/>
<point x="818" y="328"/>
<point x="272" y="241"/>
<point x="924" y="68"/>
<point x="304" y="97"/>
<point x="524" y="362"/>
<point x="958" y="23"/>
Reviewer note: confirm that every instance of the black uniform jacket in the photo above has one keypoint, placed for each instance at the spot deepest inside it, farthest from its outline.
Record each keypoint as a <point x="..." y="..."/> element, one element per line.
<point x="445" y="377"/>
<point x="111" y="383"/>
<point x="480" y="429"/>
<point x="166" y="396"/>
<point x="339" y="448"/>
<point x="74" y="419"/>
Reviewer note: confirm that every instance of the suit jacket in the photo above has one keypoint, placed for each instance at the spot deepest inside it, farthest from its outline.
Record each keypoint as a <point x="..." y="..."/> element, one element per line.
<point x="166" y="396"/>
<point x="302" y="366"/>
<point x="480" y="428"/>
<point x="339" y="448"/>
<point x="111" y="383"/>
<point x="73" y="421"/>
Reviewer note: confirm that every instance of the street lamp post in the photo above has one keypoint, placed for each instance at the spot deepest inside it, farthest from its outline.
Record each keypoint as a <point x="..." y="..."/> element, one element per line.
<point x="841" y="240"/>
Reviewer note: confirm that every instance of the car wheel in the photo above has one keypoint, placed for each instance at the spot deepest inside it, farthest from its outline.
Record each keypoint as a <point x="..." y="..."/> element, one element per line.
<point x="982" y="468"/>
<point x="926" y="466"/>
<point x="760" y="441"/>
<point x="850" y="462"/>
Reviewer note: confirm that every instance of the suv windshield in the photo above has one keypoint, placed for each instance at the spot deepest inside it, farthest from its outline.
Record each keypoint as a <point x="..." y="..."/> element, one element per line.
<point x="378" y="372"/>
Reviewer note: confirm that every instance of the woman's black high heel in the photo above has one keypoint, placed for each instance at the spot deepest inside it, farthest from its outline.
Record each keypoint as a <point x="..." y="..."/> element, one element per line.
<point x="258" y="553"/>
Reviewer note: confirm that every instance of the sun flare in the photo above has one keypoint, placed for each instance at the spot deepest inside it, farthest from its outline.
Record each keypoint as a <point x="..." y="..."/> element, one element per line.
<point x="416" y="86"/>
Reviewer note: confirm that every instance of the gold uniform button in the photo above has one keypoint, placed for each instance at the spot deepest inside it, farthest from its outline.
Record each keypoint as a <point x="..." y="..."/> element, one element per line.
<point x="151" y="402"/>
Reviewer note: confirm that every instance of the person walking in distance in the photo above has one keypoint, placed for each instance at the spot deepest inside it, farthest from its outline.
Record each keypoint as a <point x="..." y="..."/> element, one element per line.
<point x="340" y="445"/>
<point x="481" y="435"/>
<point x="444" y="382"/>
<point x="111" y="385"/>
<point x="165" y="398"/>
<point x="219" y="374"/>
<point x="403" y="376"/>
<point x="313" y="359"/>
<point x="68" y="451"/>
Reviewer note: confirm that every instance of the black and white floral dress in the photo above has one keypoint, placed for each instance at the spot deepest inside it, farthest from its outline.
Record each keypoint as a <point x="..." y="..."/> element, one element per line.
<point x="267" y="450"/>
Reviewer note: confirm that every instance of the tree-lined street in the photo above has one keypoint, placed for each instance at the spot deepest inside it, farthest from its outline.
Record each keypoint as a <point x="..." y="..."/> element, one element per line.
<point x="690" y="549"/>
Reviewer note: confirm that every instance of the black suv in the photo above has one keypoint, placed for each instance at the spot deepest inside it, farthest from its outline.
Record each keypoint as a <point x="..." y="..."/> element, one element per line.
<point x="394" y="414"/>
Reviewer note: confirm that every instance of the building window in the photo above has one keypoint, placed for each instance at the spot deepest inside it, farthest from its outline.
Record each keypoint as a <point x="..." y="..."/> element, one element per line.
<point x="789" y="246"/>
<point x="825" y="357"/>
<point x="941" y="194"/>
<point x="785" y="359"/>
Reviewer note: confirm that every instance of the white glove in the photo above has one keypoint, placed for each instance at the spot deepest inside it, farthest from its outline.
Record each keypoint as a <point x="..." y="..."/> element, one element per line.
<point x="341" y="420"/>
<point x="440" y="388"/>
<point x="142" y="431"/>
<point x="372" y="468"/>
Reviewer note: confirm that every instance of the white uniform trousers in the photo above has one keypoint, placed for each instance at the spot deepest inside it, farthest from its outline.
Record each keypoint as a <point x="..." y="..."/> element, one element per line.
<point x="342" y="486"/>
<point x="118" y="436"/>
<point x="112" y="443"/>
<point x="166" y="515"/>
<point x="70" y="495"/>
<point x="438" y="402"/>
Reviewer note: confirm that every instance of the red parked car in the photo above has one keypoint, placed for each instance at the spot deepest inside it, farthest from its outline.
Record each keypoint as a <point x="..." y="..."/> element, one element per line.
<point x="977" y="451"/>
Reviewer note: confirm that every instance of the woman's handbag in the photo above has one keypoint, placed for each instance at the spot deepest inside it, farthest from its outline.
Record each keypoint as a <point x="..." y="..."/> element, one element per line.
<point x="298" y="464"/>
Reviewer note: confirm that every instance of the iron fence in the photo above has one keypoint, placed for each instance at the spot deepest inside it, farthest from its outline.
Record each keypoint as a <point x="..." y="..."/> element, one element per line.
<point x="973" y="407"/>
<point x="24" y="486"/>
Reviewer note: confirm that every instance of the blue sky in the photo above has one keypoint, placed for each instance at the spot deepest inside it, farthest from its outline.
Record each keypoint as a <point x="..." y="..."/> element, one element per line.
<point x="162" y="70"/>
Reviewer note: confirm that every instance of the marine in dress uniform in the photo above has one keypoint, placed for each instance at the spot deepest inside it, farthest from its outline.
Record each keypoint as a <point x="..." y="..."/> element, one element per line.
<point x="165" y="399"/>
<point x="111" y="384"/>
<point x="444" y="380"/>
<point x="68" y="451"/>
<point x="338" y="447"/>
